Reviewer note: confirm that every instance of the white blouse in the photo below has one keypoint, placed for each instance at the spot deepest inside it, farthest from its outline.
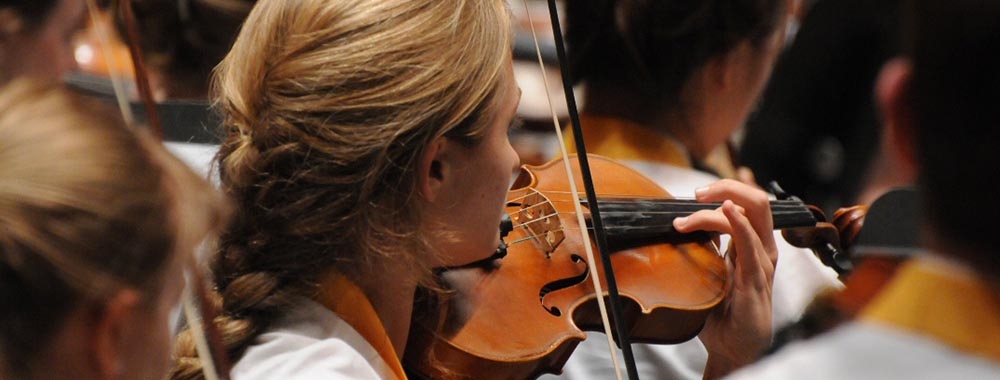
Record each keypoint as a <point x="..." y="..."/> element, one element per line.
<point x="311" y="342"/>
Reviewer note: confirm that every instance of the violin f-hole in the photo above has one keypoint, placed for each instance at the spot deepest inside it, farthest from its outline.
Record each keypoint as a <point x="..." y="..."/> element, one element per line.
<point x="564" y="283"/>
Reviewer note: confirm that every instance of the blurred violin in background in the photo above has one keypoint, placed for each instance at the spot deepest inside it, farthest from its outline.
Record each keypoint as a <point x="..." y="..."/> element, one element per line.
<point x="885" y="235"/>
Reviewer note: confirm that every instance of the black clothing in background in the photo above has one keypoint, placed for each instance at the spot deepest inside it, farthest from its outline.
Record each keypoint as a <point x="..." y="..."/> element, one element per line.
<point x="817" y="127"/>
<point x="184" y="121"/>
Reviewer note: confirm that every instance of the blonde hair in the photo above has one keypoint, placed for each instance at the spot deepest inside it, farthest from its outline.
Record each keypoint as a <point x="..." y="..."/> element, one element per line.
<point x="328" y="107"/>
<point x="90" y="207"/>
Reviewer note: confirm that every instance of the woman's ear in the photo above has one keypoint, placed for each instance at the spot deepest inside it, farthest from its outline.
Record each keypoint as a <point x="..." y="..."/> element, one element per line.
<point x="111" y="322"/>
<point x="892" y="95"/>
<point x="718" y="72"/>
<point x="434" y="169"/>
<point x="736" y="67"/>
<point x="11" y="23"/>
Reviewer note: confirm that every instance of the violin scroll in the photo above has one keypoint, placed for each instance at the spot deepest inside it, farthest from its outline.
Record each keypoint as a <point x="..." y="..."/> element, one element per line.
<point x="830" y="240"/>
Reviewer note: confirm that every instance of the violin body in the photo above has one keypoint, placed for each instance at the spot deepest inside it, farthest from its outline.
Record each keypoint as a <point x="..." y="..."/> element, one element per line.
<point x="524" y="314"/>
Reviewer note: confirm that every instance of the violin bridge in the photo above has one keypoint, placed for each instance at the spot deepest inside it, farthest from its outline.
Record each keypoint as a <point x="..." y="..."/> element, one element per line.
<point x="541" y="220"/>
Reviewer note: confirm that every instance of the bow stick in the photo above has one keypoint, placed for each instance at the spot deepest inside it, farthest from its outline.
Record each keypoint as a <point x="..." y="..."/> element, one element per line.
<point x="198" y="309"/>
<point x="599" y="233"/>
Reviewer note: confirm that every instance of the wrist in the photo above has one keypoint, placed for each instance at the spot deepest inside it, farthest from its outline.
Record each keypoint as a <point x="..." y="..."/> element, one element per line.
<point x="719" y="365"/>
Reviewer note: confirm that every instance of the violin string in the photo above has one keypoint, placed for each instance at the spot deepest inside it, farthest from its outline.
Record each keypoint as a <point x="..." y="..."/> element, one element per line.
<point x="563" y="229"/>
<point x="665" y="214"/>
<point x="624" y="198"/>
<point x="775" y="205"/>
<point x="628" y="199"/>
<point x="568" y="229"/>
<point x="520" y="198"/>
<point x="610" y="228"/>
<point x="667" y="202"/>
<point x="778" y="208"/>
<point x="679" y="213"/>
<point x="778" y="212"/>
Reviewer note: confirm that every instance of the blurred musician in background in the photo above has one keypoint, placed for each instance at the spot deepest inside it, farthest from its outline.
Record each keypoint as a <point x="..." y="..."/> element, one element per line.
<point x="36" y="37"/>
<point x="939" y="316"/>
<point x="666" y="84"/>
<point x="98" y="221"/>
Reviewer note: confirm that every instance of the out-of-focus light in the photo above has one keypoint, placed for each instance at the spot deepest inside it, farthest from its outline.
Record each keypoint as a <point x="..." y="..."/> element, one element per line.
<point x="84" y="55"/>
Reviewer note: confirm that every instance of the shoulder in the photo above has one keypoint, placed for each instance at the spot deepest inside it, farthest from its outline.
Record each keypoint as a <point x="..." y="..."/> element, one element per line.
<point x="869" y="351"/>
<point x="197" y="156"/>
<point x="284" y="356"/>
<point x="678" y="181"/>
<point x="310" y="343"/>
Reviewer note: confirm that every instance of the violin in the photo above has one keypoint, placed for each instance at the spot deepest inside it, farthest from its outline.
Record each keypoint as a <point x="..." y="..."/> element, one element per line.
<point x="888" y="237"/>
<point x="831" y="240"/>
<point x="884" y="236"/>
<point x="541" y="289"/>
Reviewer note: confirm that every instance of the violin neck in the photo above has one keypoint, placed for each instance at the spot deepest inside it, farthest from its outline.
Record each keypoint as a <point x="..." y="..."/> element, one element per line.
<point x="634" y="221"/>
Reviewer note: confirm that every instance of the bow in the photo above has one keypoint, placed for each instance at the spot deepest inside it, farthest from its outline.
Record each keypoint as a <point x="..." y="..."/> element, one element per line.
<point x="198" y="308"/>
<point x="595" y="215"/>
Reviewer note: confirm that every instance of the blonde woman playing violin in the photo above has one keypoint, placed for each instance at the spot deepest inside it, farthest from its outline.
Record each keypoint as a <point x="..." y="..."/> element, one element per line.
<point x="366" y="144"/>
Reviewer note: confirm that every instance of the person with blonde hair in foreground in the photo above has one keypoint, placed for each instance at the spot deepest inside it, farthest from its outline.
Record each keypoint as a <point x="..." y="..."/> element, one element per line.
<point x="98" y="221"/>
